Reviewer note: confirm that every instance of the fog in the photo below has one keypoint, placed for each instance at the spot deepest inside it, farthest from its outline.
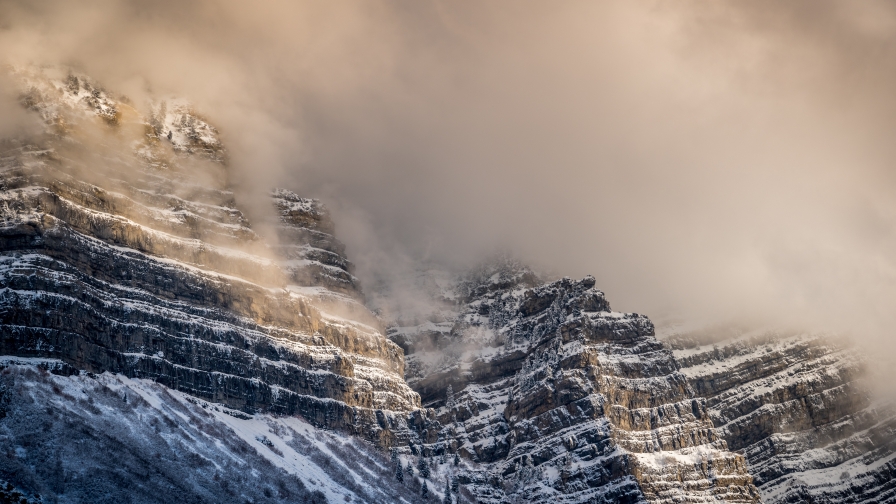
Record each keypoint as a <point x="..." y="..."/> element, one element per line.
<point x="707" y="160"/>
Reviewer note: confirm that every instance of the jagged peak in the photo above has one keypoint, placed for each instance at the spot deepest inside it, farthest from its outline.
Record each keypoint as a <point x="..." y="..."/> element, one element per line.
<point x="577" y="294"/>
<point x="288" y="201"/>
<point x="499" y="273"/>
<point x="64" y="97"/>
<point x="176" y="120"/>
<point x="47" y="89"/>
<point x="307" y="213"/>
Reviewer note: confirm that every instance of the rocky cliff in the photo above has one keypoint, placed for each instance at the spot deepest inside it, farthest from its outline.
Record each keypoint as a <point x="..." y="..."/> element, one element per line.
<point x="124" y="251"/>
<point x="109" y="439"/>
<point x="800" y="408"/>
<point x="556" y="398"/>
<point x="312" y="254"/>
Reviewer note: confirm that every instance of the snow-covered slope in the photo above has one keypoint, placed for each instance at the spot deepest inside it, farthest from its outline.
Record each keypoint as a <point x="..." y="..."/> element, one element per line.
<point x="74" y="438"/>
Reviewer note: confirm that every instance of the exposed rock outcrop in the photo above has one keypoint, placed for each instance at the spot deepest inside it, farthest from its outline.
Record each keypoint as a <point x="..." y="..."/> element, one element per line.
<point x="131" y="256"/>
<point x="800" y="408"/>
<point x="315" y="261"/>
<point x="560" y="399"/>
<point x="306" y="240"/>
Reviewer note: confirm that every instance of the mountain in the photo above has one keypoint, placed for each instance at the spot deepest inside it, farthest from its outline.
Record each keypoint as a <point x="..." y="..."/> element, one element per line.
<point x="123" y="251"/>
<point x="106" y="438"/>
<point x="161" y="343"/>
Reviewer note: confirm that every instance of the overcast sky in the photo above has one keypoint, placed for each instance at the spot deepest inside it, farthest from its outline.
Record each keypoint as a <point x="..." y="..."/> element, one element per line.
<point x="709" y="159"/>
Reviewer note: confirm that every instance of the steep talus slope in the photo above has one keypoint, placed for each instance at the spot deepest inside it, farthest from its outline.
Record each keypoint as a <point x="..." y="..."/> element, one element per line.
<point x="557" y="398"/>
<point x="130" y="255"/>
<point x="799" y="407"/>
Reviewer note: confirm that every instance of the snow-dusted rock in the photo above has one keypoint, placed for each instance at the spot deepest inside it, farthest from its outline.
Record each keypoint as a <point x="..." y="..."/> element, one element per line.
<point x="123" y="250"/>
<point x="74" y="438"/>
<point x="555" y="398"/>
<point x="798" y="405"/>
<point x="127" y="269"/>
<point x="310" y="251"/>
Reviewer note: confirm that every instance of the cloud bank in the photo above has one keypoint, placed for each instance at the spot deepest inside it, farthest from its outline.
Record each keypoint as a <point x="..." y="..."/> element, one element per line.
<point x="710" y="160"/>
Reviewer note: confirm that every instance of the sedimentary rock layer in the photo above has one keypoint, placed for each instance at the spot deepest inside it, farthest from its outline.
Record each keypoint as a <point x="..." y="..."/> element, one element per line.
<point x="563" y="400"/>
<point x="130" y="255"/>
<point x="800" y="408"/>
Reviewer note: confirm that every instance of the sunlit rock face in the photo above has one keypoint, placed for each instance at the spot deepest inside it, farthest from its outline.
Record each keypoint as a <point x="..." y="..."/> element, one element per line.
<point x="800" y="408"/>
<point x="122" y="249"/>
<point x="314" y="260"/>
<point x="557" y="398"/>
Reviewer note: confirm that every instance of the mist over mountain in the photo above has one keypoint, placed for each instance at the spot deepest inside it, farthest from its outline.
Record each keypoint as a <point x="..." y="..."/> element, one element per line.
<point x="399" y="224"/>
<point x="723" y="161"/>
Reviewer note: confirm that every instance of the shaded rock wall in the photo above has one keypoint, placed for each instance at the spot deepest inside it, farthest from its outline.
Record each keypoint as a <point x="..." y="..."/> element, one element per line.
<point x="105" y="438"/>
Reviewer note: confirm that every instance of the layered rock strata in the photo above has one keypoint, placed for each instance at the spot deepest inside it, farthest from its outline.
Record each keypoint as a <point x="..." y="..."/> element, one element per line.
<point x="130" y="255"/>
<point x="313" y="256"/>
<point x="800" y="408"/>
<point x="557" y="398"/>
<point x="315" y="261"/>
<point x="122" y="249"/>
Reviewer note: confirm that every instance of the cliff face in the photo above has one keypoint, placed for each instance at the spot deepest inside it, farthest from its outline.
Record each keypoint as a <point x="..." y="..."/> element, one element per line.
<point x="560" y="399"/>
<point x="307" y="243"/>
<point x="130" y="255"/>
<point x="800" y="408"/>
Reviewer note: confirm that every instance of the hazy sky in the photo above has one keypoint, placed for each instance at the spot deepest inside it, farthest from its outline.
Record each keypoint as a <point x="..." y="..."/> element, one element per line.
<point x="712" y="159"/>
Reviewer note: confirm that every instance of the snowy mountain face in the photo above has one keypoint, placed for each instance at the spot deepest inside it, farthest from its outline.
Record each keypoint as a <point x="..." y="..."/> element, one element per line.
<point x="314" y="257"/>
<point x="158" y="347"/>
<point x="793" y="412"/>
<point x="111" y="439"/>
<point x="557" y="398"/>
<point x="800" y="408"/>
<point x="124" y="251"/>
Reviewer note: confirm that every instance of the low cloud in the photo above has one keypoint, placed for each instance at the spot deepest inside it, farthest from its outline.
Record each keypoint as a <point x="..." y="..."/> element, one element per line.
<point x="716" y="161"/>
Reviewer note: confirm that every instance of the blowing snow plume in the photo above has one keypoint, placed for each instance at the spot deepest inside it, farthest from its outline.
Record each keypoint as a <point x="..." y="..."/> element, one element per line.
<point x="711" y="161"/>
